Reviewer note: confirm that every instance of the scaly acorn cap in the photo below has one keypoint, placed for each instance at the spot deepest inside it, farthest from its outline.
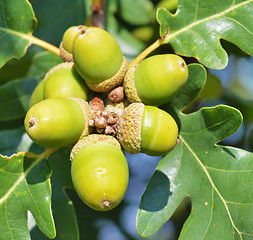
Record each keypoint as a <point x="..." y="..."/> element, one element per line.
<point x="90" y="139"/>
<point x="129" y="86"/>
<point x="147" y="129"/>
<point x="116" y="107"/>
<point x="88" y="114"/>
<point x="65" y="55"/>
<point x="129" y="128"/>
<point x="114" y="81"/>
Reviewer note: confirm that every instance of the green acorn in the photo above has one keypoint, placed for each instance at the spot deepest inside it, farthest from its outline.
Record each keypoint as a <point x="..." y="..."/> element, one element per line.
<point x="99" y="171"/>
<point x="67" y="43"/>
<point x="156" y="80"/>
<point x="147" y="129"/>
<point x="58" y="122"/>
<point x="37" y="94"/>
<point x="64" y="81"/>
<point x="99" y="59"/>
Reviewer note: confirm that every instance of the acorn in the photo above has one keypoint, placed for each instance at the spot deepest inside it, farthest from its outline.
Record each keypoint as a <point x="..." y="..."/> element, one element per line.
<point x="147" y="129"/>
<point x="67" y="43"/>
<point x="156" y="80"/>
<point x="98" y="59"/>
<point x="37" y="94"/>
<point x="99" y="171"/>
<point x="58" y="122"/>
<point x="63" y="81"/>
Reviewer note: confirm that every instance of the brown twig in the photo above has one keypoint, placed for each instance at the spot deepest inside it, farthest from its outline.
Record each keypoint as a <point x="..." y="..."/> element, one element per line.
<point x="98" y="13"/>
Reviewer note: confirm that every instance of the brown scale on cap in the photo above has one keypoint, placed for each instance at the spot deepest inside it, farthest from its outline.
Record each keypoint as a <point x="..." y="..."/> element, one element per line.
<point x="116" y="94"/>
<point x="104" y="121"/>
<point x="97" y="104"/>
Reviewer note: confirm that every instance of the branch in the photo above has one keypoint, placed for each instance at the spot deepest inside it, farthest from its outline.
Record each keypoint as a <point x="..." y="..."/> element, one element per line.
<point x="44" y="44"/>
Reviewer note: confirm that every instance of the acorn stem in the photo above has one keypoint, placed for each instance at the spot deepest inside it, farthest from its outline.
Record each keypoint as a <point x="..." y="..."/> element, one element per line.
<point x="147" y="51"/>
<point x="44" y="44"/>
<point x="47" y="153"/>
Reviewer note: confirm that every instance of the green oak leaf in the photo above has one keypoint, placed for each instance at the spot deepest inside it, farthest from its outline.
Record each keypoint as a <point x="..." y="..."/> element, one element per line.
<point x="17" y="21"/>
<point x="42" y="62"/>
<point x="15" y="97"/>
<point x="212" y="175"/>
<point x="198" y="25"/>
<point x="10" y="139"/>
<point x="25" y="186"/>
<point x="62" y="207"/>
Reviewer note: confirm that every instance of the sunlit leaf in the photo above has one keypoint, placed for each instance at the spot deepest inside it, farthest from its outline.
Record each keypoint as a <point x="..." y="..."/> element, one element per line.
<point x="197" y="27"/>
<point x="213" y="176"/>
<point x="25" y="186"/>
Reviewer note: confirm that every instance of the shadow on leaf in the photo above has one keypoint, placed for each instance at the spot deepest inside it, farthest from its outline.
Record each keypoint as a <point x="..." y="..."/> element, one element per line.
<point x="38" y="173"/>
<point x="157" y="193"/>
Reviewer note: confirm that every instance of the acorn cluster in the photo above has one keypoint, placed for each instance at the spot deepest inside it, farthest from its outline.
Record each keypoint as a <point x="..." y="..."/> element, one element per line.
<point x="97" y="105"/>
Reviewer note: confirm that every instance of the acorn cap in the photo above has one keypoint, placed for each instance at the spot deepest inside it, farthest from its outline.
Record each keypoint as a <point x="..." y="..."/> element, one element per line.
<point x="147" y="129"/>
<point x="90" y="139"/>
<point x="129" y="128"/>
<point x="65" y="55"/>
<point x="88" y="114"/>
<point x="129" y="87"/>
<point x="116" y="107"/>
<point x="114" y="81"/>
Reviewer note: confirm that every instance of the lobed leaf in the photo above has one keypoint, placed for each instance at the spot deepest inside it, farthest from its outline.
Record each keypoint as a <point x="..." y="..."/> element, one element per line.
<point x="197" y="27"/>
<point x="213" y="176"/>
<point x="62" y="207"/>
<point x="26" y="187"/>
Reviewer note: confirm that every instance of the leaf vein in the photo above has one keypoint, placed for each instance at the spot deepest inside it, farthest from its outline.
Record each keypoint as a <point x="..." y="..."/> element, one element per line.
<point x="211" y="216"/>
<point x="225" y="170"/>
<point x="170" y="36"/>
<point x="237" y="22"/>
<point x="22" y="177"/>
<point x="242" y="204"/>
<point x="209" y="127"/>
<point x="213" y="185"/>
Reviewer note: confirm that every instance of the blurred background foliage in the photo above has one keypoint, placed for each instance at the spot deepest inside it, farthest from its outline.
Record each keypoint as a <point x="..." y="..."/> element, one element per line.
<point x="134" y="26"/>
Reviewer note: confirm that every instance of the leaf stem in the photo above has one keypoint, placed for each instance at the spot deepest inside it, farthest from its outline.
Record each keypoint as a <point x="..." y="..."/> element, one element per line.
<point x="45" y="45"/>
<point x="147" y="51"/>
<point x="47" y="153"/>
